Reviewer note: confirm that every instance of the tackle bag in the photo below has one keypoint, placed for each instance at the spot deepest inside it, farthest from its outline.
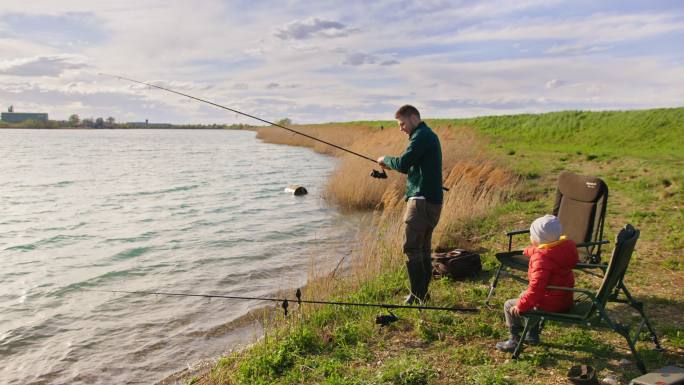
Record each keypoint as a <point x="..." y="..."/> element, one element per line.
<point x="582" y="375"/>
<point x="456" y="264"/>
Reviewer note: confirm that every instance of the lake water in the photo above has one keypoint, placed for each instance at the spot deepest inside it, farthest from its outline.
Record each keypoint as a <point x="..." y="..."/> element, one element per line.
<point x="190" y="211"/>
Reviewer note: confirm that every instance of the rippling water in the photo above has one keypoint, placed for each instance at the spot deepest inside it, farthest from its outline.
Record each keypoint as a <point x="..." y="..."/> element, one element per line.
<point x="173" y="210"/>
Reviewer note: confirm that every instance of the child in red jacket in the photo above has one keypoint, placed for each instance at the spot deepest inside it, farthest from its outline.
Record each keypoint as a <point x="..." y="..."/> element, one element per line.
<point x="552" y="258"/>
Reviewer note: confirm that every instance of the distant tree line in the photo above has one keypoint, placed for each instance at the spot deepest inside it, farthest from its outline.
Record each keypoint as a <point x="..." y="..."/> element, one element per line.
<point x="75" y="121"/>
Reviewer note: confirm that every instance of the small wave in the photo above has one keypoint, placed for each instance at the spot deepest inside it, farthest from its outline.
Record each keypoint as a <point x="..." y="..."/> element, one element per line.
<point x="189" y="212"/>
<point x="56" y="241"/>
<point x="62" y="228"/>
<point x="16" y="274"/>
<point x="223" y="243"/>
<point x="220" y="210"/>
<point x="25" y="336"/>
<point x="142" y="237"/>
<point x="15" y="221"/>
<point x="248" y="319"/>
<point x="26" y="247"/>
<point x="97" y="281"/>
<point x="162" y="191"/>
<point x="131" y="253"/>
<point x="63" y="183"/>
<point x="263" y="272"/>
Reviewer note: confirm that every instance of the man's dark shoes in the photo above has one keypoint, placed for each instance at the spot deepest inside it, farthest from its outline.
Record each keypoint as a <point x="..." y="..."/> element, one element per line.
<point x="414" y="300"/>
<point x="508" y="346"/>
<point x="411" y="300"/>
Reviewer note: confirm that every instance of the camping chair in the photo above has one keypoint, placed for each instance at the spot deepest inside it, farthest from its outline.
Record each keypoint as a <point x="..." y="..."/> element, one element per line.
<point x="581" y="208"/>
<point x="590" y="308"/>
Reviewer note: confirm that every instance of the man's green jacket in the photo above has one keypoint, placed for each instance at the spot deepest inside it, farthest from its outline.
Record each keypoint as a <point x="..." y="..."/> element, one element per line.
<point x="422" y="161"/>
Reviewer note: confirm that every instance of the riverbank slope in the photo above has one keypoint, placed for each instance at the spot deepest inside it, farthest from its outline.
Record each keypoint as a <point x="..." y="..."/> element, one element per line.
<point x="502" y="174"/>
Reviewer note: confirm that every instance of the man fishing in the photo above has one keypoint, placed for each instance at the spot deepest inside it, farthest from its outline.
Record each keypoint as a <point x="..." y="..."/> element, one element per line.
<point x="422" y="161"/>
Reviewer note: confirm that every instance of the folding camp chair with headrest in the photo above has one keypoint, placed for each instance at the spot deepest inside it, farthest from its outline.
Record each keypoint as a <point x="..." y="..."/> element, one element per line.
<point x="580" y="206"/>
<point x="590" y="307"/>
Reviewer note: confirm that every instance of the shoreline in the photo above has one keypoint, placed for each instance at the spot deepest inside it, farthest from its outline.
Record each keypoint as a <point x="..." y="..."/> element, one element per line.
<point x="255" y="317"/>
<point x="127" y="128"/>
<point x="345" y="346"/>
<point x="388" y="209"/>
<point x="242" y="325"/>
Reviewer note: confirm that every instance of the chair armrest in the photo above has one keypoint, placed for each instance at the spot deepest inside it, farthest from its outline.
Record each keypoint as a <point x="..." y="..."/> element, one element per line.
<point x="516" y="232"/>
<point x="510" y="235"/>
<point x="586" y="292"/>
<point x="591" y="266"/>
<point x="588" y="244"/>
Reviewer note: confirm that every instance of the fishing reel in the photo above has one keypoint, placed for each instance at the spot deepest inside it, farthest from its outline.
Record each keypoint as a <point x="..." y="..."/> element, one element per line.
<point x="379" y="174"/>
<point x="386" y="319"/>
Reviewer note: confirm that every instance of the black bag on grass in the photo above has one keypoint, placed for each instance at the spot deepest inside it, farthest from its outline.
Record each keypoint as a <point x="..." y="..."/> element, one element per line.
<point x="582" y="375"/>
<point x="456" y="264"/>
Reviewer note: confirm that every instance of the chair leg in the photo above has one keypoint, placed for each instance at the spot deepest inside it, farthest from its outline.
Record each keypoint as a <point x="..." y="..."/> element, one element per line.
<point x="529" y="324"/>
<point x="639" y="306"/>
<point x="623" y="331"/>
<point x="542" y="322"/>
<point x="654" y="336"/>
<point x="637" y="358"/>
<point x="492" y="286"/>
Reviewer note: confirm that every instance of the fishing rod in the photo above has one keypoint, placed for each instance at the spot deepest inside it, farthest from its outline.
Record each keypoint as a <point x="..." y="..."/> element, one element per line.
<point x="375" y="173"/>
<point x="383" y="320"/>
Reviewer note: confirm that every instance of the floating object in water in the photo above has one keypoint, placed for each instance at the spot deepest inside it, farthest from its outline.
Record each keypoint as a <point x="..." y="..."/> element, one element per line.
<point x="296" y="189"/>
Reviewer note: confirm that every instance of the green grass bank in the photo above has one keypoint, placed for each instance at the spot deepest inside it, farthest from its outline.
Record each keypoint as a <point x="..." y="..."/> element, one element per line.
<point x="640" y="154"/>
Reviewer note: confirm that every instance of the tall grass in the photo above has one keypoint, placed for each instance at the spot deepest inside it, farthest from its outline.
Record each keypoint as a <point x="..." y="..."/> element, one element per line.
<point x="350" y="349"/>
<point x="350" y="186"/>
<point x="476" y="183"/>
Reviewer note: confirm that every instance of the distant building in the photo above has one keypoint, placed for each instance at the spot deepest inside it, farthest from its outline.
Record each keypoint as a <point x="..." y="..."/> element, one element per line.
<point x="147" y="124"/>
<point x="17" y="117"/>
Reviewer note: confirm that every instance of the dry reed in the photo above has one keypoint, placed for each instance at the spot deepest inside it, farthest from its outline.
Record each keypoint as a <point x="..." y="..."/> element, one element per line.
<point x="476" y="184"/>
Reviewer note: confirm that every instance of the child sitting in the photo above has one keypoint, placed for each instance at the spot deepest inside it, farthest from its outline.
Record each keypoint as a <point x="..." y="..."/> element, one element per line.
<point x="552" y="258"/>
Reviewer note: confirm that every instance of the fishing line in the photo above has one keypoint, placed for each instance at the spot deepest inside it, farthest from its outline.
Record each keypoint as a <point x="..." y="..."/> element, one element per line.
<point x="375" y="174"/>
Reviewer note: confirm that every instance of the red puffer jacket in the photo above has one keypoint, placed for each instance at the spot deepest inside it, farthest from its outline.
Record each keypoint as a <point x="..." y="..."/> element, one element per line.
<point x="550" y="264"/>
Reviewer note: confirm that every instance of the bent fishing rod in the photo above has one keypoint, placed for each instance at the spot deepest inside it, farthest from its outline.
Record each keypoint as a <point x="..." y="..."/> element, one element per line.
<point x="298" y="294"/>
<point x="375" y="174"/>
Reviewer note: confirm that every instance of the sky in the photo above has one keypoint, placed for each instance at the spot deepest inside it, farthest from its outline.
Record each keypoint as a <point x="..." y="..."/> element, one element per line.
<point x="323" y="61"/>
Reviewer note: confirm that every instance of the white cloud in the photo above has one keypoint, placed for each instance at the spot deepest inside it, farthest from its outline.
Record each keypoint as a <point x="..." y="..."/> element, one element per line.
<point x="575" y="49"/>
<point x="313" y="28"/>
<point x="344" y="60"/>
<point x="554" y="83"/>
<point x="53" y="65"/>
<point x="357" y="59"/>
<point x="600" y="28"/>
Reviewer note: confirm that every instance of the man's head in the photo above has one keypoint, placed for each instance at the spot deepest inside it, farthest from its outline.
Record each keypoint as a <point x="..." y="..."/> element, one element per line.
<point x="408" y="118"/>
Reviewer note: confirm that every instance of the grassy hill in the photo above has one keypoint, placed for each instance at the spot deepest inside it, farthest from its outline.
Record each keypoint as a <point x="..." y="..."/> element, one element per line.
<point x="516" y="159"/>
<point x="641" y="133"/>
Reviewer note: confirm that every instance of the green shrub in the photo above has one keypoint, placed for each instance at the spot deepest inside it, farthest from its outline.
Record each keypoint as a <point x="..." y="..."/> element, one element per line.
<point x="275" y="358"/>
<point x="472" y="355"/>
<point x="490" y="375"/>
<point x="405" y="371"/>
